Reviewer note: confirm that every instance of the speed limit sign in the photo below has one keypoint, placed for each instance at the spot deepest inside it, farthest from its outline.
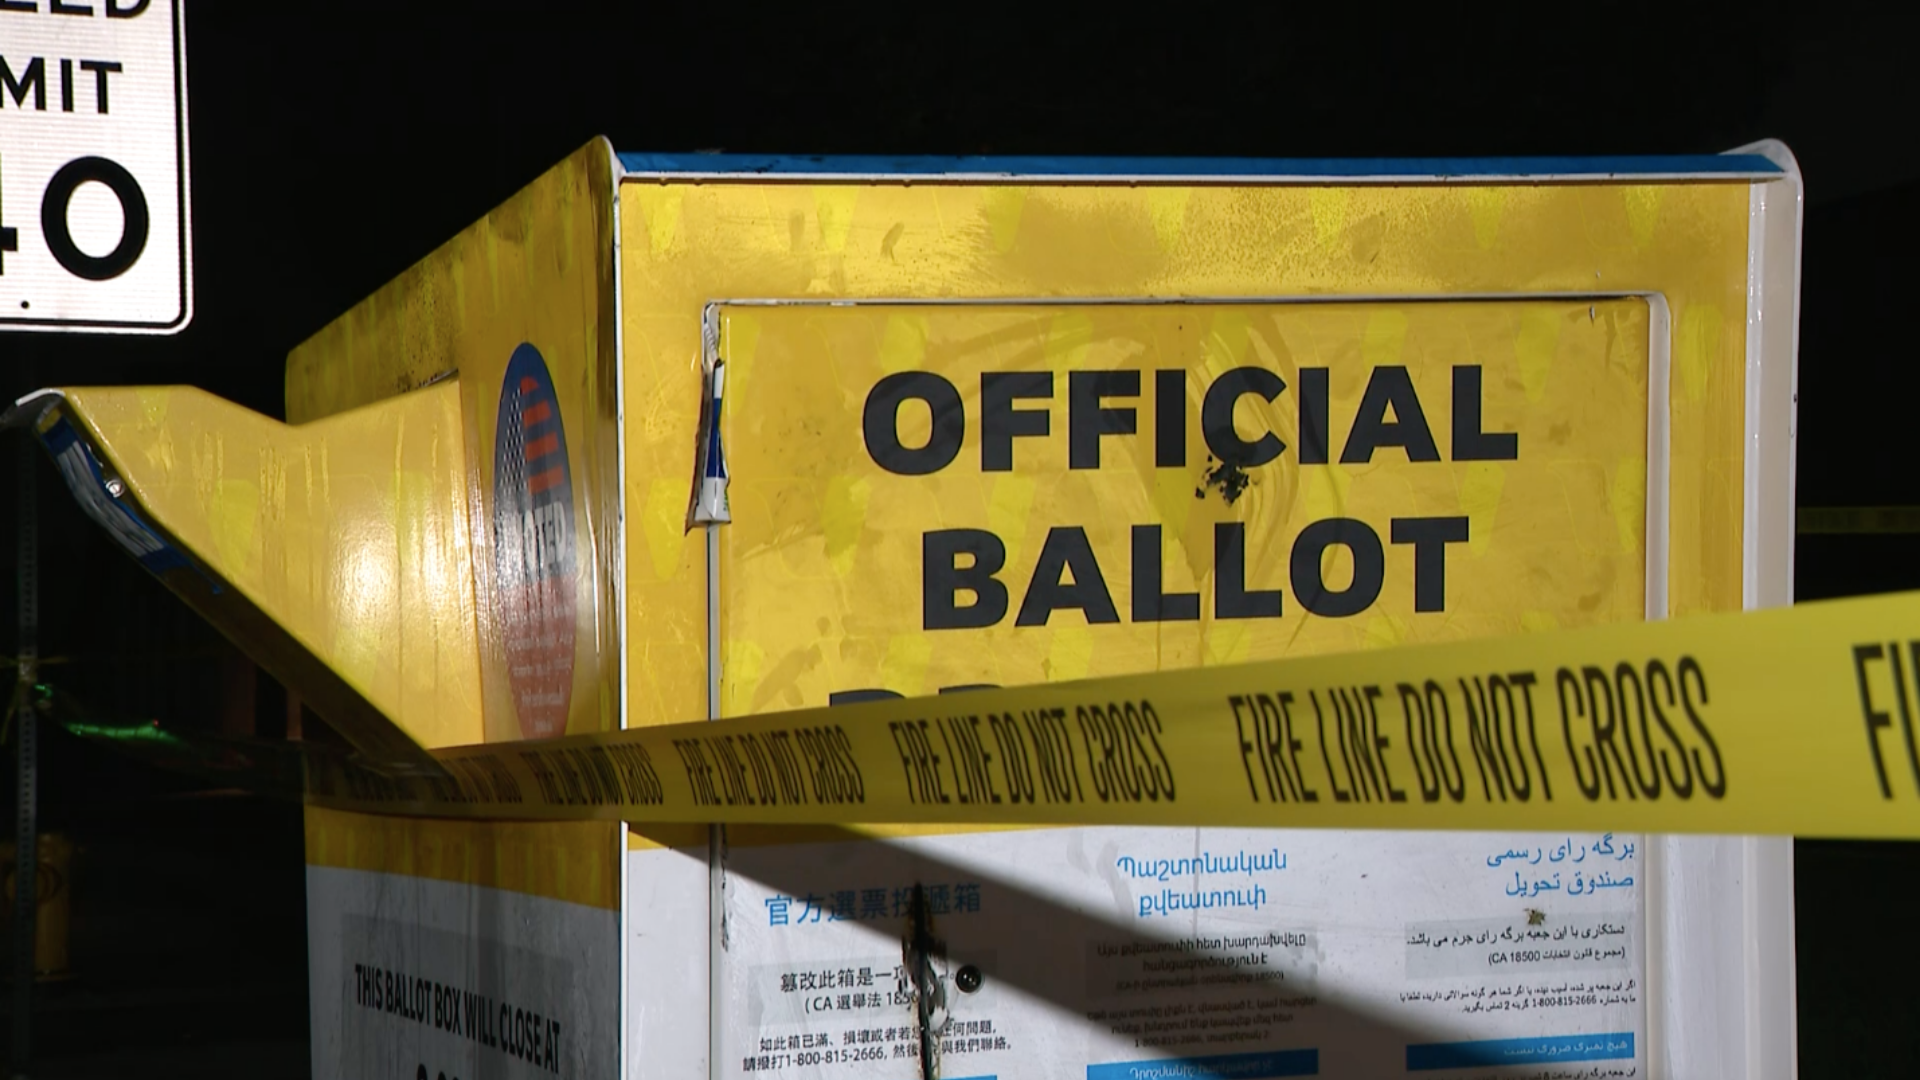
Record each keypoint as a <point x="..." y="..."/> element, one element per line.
<point x="94" y="228"/>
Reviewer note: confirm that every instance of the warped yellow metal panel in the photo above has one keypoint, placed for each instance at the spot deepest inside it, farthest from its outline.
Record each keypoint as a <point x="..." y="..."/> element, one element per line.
<point x="525" y="292"/>
<point x="349" y="533"/>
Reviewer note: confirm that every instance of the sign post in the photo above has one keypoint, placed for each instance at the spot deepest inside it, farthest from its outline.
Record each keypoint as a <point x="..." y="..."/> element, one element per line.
<point x="94" y="207"/>
<point x="26" y="740"/>
<point x="95" y="237"/>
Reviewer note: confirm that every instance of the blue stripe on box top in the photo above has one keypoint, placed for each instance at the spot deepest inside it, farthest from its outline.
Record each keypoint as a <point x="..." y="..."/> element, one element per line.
<point x="1709" y="166"/>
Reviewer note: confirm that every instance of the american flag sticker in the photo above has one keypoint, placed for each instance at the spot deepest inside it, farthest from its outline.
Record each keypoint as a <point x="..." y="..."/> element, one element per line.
<point x="534" y="546"/>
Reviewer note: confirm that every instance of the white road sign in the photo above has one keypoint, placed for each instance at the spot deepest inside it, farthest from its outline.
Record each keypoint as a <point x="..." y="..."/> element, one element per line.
<point x="95" y="234"/>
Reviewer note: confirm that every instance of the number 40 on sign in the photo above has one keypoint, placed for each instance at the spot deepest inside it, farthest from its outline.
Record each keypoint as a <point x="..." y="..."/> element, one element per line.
<point x="94" y="223"/>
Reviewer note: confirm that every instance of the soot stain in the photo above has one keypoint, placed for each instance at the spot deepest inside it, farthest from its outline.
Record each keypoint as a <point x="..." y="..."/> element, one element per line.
<point x="1230" y="480"/>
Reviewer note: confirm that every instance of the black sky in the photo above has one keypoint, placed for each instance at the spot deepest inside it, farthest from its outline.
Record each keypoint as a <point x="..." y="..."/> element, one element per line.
<point x="334" y="144"/>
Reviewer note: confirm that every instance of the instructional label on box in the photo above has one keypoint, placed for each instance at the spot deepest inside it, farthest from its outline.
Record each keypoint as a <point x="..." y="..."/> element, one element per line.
<point x="1127" y="954"/>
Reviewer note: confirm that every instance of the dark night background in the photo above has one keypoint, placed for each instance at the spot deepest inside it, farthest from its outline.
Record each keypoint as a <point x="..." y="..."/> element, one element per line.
<point x="334" y="144"/>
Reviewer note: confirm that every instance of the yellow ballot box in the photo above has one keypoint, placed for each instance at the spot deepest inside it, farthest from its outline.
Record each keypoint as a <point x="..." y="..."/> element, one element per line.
<point x="680" y="438"/>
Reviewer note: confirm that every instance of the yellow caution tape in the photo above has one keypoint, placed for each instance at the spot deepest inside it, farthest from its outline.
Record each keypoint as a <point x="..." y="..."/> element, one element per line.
<point x="1797" y="721"/>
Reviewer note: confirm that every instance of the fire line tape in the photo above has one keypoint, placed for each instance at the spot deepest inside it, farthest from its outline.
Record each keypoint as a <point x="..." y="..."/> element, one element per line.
<point x="1793" y="721"/>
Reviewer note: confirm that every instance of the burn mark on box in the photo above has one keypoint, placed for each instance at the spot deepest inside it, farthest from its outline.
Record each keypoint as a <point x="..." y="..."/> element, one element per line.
<point x="1229" y="479"/>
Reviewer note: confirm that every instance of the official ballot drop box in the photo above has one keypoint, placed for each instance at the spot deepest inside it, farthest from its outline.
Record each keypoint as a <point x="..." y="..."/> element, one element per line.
<point x="989" y="423"/>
